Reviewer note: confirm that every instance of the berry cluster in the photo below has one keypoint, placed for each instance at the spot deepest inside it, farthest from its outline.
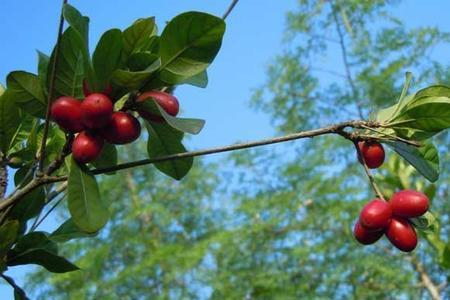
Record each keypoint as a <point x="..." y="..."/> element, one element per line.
<point x="95" y="120"/>
<point x="391" y="218"/>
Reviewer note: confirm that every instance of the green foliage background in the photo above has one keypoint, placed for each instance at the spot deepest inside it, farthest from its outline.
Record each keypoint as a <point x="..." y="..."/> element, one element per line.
<point x="275" y="223"/>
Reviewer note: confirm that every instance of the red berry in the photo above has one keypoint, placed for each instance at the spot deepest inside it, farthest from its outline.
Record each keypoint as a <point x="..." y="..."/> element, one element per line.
<point x="365" y="236"/>
<point x="376" y="215"/>
<point x="167" y="101"/>
<point x="86" y="147"/>
<point x="66" y="112"/>
<point x="122" y="129"/>
<point x="373" y="153"/>
<point x="402" y="234"/>
<point x="409" y="204"/>
<point x="96" y="110"/>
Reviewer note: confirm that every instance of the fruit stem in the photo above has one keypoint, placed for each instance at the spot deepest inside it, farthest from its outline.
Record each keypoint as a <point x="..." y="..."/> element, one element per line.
<point x="374" y="185"/>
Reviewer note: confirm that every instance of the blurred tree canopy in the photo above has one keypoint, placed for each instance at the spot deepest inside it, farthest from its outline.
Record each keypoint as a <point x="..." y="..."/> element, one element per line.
<point x="275" y="223"/>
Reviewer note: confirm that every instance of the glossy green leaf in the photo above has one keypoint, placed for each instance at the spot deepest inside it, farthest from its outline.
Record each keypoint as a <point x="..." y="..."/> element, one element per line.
<point x="137" y="37"/>
<point x="106" y="57"/>
<point x="164" y="140"/>
<point x="8" y="235"/>
<point x="86" y="208"/>
<point x="43" y="61"/>
<point x="199" y="80"/>
<point x="26" y="90"/>
<point x="107" y="158"/>
<point x="430" y="114"/>
<point x="68" y="231"/>
<point x="72" y="65"/>
<point x="192" y="126"/>
<point x="140" y="61"/>
<point x="188" y="44"/>
<point x="22" y="132"/>
<point x="134" y="80"/>
<point x="434" y="91"/>
<point x="37" y="248"/>
<point x="426" y="223"/>
<point x="77" y="21"/>
<point x="424" y="159"/>
<point x="48" y="260"/>
<point x="9" y="120"/>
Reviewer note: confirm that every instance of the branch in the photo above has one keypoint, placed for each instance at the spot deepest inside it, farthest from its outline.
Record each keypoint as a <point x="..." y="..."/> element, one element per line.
<point x="346" y="63"/>
<point x="51" y="90"/>
<point x="432" y="289"/>
<point x="332" y="129"/>
<point x="3" y="176"/>
<point x="230" y="9"/>
<point x="16" y="288"/>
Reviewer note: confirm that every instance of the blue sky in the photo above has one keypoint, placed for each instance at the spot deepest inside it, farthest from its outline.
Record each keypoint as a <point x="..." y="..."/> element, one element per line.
<point x="253" y="38"/>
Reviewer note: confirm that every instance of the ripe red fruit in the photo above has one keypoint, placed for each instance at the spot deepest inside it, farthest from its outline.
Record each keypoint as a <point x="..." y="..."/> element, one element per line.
<point x="96" y="110"/>
<point x="122" y="129"/>
<point x="86" y="147"/>
<point x="373" y="153"/>
<point x="409" y="204"/>
<point x="365" y="236"/>
<point x="66" y="112"/>
<point x="167" y="101"/>
<point x="402" y="234"/>
<point x="376" y="215"/>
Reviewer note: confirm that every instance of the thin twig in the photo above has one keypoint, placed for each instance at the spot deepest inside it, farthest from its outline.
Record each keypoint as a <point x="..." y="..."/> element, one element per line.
<point x="346" y="63"/>
<point x="230" y="9"/>
<point x="393" y="137"/>
<point x="369" y="175"/>
<point x="3" y="176"/>
<point x="61" y="188"/>
<point x="51" y="90"/>
<point x="37" y="223"/>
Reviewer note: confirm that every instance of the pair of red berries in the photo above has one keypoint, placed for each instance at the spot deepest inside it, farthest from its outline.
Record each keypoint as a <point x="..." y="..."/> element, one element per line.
<point x="95" y="120"/>
<point x="379" y="217"/>
<point x="373" y="153"/>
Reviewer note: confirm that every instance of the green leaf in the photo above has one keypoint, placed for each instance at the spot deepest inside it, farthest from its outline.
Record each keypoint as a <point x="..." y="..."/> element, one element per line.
<point x="402" y="100"/>
<point x="8" y="235"/>
<point x="137" y="37"/>
<point x="140" y="61"/>
<point x="192" y="126"/>
<point x="106" y="56"/>
<point x="134" y="80"/>
<point x="164" y="140"/>
<point x="30" y="206"/>
<point x="19" y="293"/>
<point x="107" y="158"/>
<point x="199" y="80"/>
<point x="43" y="61"/>
<point x="430" y="114"/>
<point x="77" y="21"/>
<point x="37" y="248"/>
<point x="9" y="121"/>
<point x="426" y="223"/>
<point x="68" y="231"/>
<point x="42" y="257"/>
<point x="434" y="91"/>
<point x="188" y="44"/>
<point x="22" y="132"/>
<point x="26" y="90"/>
<point x="424" y="159"/>
<point x="73" y="62"/>
<point x="86" y="208"/>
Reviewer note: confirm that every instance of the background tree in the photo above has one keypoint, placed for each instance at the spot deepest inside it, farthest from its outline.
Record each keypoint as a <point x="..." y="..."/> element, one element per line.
<point x="285" y="231"/>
